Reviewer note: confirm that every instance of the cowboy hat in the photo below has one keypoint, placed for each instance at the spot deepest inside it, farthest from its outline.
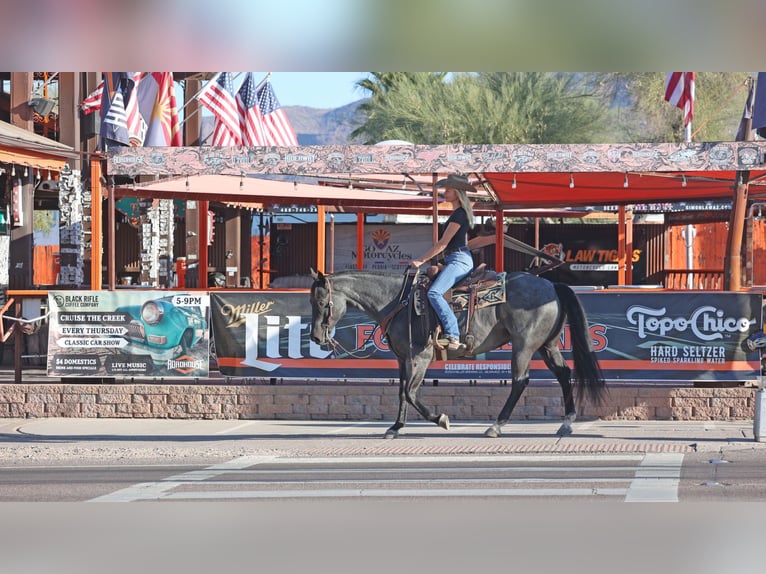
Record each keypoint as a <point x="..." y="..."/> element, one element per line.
<point x="456" y="182"/>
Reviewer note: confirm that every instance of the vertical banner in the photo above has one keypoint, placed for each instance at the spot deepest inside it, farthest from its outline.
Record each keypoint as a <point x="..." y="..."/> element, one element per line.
<point x="128" y="333"/>
<point x="691" y="336"/>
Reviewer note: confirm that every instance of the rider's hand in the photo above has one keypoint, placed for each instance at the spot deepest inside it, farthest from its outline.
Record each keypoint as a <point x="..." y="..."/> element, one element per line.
<point x="416" y="263"/>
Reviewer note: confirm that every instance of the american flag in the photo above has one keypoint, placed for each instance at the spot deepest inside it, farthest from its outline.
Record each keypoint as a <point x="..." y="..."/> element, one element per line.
<point x="278" y="130"/>
<point x="218" y="97"/>
<point x="250" y="118"/>
<point x="679" y="91"/>
<point x="92" y="102"/>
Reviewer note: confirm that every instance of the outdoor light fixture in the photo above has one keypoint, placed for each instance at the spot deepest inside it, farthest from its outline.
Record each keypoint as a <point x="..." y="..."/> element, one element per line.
<point x="513" y="185"/>
<point x="42" y="106"/>
<point x="683" y="180"/>
<point x="625" y="184"/>
<point x="38" y="177"/>
<point x="571" y="181"/>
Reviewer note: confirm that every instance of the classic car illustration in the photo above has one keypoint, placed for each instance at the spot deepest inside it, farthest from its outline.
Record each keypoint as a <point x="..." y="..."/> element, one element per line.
<point x="163" y="329"/>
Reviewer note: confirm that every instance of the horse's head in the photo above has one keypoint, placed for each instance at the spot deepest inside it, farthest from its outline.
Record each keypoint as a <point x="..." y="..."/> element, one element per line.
<point x="326" y="308"/>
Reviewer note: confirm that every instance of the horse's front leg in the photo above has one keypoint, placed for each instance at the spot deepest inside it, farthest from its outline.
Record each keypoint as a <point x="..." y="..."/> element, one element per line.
<point x="419" y="366"/>
<point x="401" y="418"/>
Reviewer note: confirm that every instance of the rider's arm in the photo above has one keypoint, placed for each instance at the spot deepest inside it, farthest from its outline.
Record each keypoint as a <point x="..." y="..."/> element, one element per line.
<point x="439" y="246"/>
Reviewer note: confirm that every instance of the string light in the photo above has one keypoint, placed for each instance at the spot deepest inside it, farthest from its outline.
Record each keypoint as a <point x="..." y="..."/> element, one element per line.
<point x="513" y="185"/>
<point x="13" y="170"/>
<point x="38" y="177"/>
<point x="571" y="181"/>
<point x="26" y="172"/>
<point x="683" y="180"/>
<point x="625" y="184"/>
<point x="49" y="176"/>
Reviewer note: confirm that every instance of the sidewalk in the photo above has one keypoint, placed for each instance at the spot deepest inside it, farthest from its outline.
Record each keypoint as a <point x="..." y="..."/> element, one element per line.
<point x="79" y="438"/>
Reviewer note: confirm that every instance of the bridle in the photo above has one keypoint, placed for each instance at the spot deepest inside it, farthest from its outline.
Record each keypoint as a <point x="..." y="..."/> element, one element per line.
<point x="326" y="325"/>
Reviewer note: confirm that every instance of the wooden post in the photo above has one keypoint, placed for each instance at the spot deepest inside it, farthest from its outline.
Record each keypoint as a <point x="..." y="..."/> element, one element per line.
<point x="621" y="274"/>
<point x="321" y="239"/>
<point x="360" y="240"/>
<point x="22" y="115"/>
<point x="110" y="246"/>
<point x="732" y="272"/>
<point x="499" y="241"/>
<point x="96" y="274"/>
<point x="202" y="226"/>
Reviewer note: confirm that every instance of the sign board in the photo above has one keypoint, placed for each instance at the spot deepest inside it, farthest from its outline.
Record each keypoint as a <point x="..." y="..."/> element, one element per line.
<point x="690" y="336"/>
<point x="128" y="333"/>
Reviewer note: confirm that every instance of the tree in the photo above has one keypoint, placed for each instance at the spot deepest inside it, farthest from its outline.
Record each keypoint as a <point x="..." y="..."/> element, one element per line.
<point x="644" y="115"/>
<point x="538" y="107"/>
<point x="498" y="107"/>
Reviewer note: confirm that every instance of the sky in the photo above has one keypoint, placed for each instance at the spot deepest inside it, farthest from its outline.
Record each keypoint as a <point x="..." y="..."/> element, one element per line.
<point x="323" y="90"/>
<point x="315" y="89"/>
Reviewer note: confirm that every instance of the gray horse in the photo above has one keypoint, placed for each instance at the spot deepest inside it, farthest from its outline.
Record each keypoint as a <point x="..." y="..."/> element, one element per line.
<point x="532" y="319"/>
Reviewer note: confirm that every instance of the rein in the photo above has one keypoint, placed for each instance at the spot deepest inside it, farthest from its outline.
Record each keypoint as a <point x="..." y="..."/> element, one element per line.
<point x="334" y="342"/>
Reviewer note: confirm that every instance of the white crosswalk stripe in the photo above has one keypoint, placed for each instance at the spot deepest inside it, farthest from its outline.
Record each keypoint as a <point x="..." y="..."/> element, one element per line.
<point x="647" y="477"/>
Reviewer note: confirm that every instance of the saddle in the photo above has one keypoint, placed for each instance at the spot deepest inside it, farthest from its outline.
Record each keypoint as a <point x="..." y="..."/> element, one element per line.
<point x="481" y="288"/>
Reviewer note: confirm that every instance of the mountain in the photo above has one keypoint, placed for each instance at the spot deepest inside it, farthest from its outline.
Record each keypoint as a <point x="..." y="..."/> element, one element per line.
<point x="324" y="126"/>
<point x="313" y="126"/>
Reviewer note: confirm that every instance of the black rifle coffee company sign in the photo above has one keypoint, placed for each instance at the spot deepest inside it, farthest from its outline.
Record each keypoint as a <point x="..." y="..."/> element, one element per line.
<point x="128" y="333"/>
<point x="690" y="336"/>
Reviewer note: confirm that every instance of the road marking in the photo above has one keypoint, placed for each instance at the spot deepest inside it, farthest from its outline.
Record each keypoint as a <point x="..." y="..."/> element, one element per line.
<point x="232" y="429"/>
<point x="156" y="490"/>
<point x="400" y="493"/>
<point x="657" y="478"/>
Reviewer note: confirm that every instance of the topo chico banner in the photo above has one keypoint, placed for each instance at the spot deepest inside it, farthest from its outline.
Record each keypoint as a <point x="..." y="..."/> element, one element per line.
<point x="128" y="333"/>
<point x="637" y="336"/>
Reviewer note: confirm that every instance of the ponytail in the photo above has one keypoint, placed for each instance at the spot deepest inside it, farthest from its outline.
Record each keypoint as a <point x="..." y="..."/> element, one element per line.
<point x="465" y="203"/>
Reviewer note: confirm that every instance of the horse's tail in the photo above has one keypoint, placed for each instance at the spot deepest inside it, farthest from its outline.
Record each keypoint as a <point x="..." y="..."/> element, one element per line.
<point x="587" y="372"/>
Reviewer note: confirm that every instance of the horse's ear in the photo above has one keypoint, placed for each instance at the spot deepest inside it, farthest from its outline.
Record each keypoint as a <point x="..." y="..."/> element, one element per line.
<point x="317" y="275"/>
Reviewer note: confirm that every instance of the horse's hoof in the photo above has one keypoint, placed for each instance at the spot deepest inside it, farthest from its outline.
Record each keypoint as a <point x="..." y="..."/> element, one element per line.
<point x="564" y="430"/>
<point x="492" y="432"/>
<point x="390" y="433"/>
<point x="443" y="421"/>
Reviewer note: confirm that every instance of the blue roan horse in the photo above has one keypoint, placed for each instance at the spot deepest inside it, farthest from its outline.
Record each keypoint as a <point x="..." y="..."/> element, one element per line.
<point x="532" y="319"/>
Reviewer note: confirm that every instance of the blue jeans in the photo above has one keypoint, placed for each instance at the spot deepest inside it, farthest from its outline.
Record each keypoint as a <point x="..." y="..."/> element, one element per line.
<point x="457" y="265"/>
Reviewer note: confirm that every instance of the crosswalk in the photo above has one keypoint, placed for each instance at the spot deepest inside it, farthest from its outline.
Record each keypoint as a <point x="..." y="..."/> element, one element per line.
<point x="643" y="477"/>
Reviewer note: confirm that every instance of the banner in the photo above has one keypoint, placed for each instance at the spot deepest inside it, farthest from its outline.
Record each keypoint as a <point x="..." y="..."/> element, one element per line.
<point x="388" y="247"/>
<point x="128" y="333"/>
<point x="692" y="336"/>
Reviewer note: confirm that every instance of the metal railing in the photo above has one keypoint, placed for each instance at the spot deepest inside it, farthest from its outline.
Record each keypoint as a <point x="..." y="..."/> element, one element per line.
<point x="701" y="279"/>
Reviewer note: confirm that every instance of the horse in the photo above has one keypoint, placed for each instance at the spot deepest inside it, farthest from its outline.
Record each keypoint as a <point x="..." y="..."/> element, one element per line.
<point x="532" y="319"/>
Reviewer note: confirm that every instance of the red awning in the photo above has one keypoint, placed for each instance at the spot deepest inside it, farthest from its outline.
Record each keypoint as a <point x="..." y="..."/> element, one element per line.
<point x="551" y="189"/>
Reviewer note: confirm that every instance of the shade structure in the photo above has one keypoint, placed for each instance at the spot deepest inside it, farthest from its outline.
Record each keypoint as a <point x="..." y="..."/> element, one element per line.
<point x="551" y="189"/>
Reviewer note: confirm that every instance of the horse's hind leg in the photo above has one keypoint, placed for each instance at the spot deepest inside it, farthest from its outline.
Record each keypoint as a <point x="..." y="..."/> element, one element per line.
<point x="401" y="418"/>
<point x="555" y="362"/>
<point x="520" y="380"/>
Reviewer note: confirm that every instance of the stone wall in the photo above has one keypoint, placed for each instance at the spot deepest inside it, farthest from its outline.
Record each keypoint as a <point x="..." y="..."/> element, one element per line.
<point x="363" y="401"/>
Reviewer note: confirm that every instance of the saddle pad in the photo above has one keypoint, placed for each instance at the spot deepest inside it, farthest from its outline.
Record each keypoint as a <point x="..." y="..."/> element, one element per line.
<point x="488" y="293"/>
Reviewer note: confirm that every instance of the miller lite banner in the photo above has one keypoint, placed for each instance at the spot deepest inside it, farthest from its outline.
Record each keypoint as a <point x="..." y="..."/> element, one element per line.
<point x="691" y="336"/>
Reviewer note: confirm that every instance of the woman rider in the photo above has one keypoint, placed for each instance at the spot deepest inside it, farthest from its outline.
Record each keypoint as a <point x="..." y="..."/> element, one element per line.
<point x="458" y="261"/>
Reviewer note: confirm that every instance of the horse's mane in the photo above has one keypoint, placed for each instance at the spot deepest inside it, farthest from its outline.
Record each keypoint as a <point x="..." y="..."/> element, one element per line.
<point x="387" y="274"/>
